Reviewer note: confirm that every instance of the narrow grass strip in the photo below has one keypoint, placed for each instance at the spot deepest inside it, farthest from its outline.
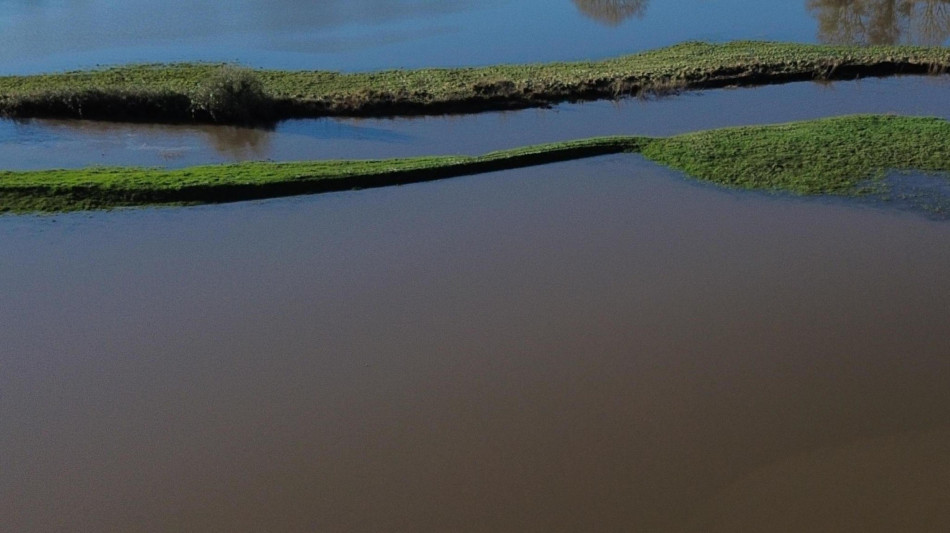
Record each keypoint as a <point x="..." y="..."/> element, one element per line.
<point x="110" y="187"/>
<point x="179" y="92"/>
<point x="828" y="156"/>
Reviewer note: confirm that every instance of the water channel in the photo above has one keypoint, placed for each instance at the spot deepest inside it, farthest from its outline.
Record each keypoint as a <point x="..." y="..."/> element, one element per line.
<point x="40" y="144"/>
<point x="600" y="345"/>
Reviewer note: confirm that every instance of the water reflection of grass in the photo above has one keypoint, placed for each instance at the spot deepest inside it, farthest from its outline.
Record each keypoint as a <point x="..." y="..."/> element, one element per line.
<point x="827" y="156"/>
<point x="174" y="92"/>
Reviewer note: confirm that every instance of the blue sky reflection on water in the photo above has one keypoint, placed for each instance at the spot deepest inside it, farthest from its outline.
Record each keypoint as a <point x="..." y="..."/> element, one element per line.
<point x="372" y="34"/>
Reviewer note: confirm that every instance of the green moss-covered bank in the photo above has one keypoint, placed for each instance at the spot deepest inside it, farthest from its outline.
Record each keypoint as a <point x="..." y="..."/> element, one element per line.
<point x="200" y="92"/>
<point x="843" y="155"/>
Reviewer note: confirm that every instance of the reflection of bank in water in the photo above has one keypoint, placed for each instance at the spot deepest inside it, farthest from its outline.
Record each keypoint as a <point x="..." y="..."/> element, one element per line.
<point x="924" y="22"/>
<point x="170" y="141"/>
<point x="43" y="143"/>
<point x="612" y="12"/>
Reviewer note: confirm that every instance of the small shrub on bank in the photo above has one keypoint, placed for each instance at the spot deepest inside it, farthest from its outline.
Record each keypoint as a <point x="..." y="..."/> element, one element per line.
<point x="233" y="94"/>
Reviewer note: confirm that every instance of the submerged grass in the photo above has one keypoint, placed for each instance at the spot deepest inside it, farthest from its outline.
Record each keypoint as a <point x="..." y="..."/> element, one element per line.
<point x="175" y="92"/>
<point x="829" y="156"/>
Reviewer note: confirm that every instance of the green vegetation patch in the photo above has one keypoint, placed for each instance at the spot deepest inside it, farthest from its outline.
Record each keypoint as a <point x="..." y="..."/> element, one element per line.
<point x="830" y="156"/>
<point x="219" y="93"/>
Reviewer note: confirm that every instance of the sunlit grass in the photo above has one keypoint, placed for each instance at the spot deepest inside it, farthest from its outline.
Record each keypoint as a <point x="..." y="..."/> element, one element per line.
<point x="827" y="156"/>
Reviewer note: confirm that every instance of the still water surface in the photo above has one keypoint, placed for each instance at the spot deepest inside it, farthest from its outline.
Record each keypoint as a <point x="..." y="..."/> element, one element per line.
<point x="374" y="34"/>
<point x="591" y="346"/>
<point x="41" y="144"/>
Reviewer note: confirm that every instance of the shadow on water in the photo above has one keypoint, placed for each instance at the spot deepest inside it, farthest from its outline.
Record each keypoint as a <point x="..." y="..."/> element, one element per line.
<point x="869" y="22"/>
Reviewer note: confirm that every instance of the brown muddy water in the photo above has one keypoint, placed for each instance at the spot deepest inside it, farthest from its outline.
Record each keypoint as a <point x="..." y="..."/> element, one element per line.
<point x="43" y="144"/>
<point x="591" y="346"/>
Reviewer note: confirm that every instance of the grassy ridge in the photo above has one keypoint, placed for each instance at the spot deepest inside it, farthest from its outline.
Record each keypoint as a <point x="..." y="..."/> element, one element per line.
<point x="170" y="92"/>
<point x="98" y="188"/>
<point x="828" y="156"/>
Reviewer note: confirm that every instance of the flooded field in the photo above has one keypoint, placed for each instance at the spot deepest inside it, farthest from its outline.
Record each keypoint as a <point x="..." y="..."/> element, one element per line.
<point x="595" y="345"/>
<point x="601" y="345"/>
<point x="374" y="34"/>
<point x="39" y="144"/>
